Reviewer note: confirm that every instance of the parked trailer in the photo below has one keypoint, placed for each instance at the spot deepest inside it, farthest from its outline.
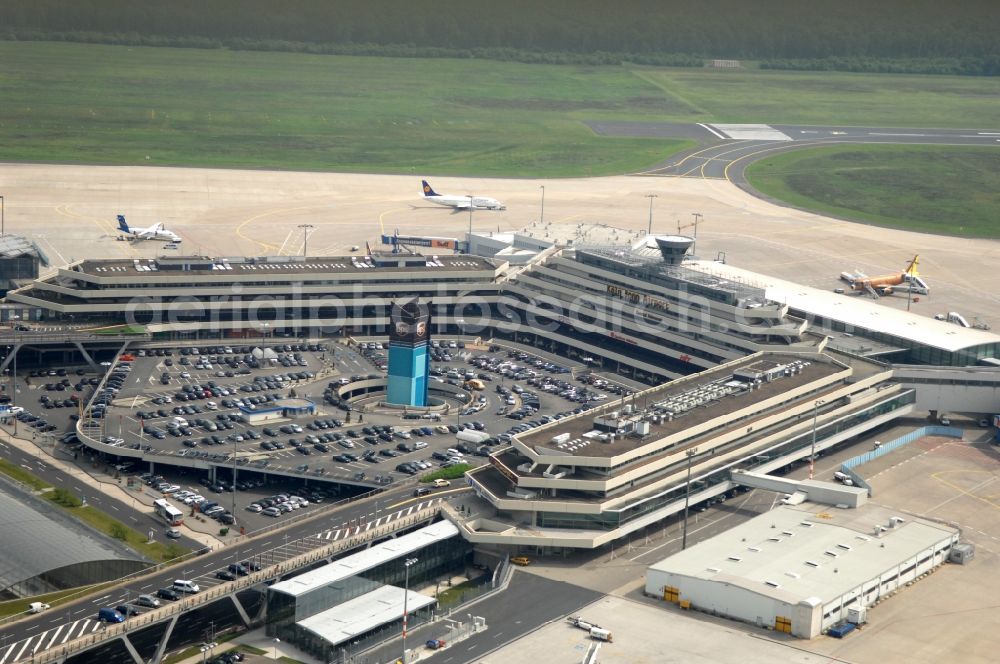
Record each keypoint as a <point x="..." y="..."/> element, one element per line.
<point x="841" y="630"/>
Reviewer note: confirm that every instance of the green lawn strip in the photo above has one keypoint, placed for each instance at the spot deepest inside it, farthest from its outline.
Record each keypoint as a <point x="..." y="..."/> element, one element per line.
<point x="449" y="473"/>
<point x="23" y="476"/>
<point x="193" y="651"/>
<point x="16" y="606"/>
<point x="112" y="527"/>
<point x="949" y="190"/>
<point x="119" y="329"/>
<point x="453" y="595"/>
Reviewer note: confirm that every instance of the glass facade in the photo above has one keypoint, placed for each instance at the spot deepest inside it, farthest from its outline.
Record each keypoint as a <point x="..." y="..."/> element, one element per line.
<point x="436" y="561"/>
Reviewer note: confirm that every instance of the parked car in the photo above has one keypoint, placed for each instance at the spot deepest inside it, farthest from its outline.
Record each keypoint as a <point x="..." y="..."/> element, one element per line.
<point x="148" y="601"/>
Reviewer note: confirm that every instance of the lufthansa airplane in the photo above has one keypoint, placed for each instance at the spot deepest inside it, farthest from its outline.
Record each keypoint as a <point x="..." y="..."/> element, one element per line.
<point x="460" y="202"/>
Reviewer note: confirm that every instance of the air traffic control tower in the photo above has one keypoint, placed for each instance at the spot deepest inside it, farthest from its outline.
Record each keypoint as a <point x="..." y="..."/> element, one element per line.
<point x="409" y="363"/>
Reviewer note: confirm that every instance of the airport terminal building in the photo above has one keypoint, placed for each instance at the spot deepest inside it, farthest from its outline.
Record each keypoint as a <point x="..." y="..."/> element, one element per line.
<point x="587" y="480"/>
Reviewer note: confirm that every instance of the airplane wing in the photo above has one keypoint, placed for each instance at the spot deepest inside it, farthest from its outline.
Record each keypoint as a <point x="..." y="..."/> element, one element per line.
<point x="463" y="206"/>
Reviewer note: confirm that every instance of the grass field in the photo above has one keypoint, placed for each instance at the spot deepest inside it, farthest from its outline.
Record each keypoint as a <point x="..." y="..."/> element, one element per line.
<point x="830" y="98"/>
<point x="119" y="105"/>
<point x="936" y="189"/>
<point x="108" y="104"/>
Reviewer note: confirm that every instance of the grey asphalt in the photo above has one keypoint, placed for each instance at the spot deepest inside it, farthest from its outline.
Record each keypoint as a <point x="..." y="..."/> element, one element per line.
<point x="721" y="157"/>
<point x="529" y="602"/>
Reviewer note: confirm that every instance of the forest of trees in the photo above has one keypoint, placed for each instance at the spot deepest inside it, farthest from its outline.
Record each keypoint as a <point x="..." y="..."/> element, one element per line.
<point x="926" y="36"/>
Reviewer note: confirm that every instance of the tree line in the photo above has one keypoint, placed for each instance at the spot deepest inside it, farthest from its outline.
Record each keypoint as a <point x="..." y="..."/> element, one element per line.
<point x="889" y="35"/>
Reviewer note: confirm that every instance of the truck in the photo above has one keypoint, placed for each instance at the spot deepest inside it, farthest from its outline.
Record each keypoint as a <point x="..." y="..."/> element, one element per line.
<point x="472" y="436"/>
<point x="596" y="631"/>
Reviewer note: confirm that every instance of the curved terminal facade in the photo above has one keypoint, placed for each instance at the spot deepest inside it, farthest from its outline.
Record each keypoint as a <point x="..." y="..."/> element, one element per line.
<point x="584" y="481"/>
<point x="739" y="377"/>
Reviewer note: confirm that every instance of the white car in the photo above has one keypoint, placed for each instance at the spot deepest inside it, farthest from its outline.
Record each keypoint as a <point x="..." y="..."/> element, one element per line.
<point x="255" y="508"/>
<point x="170" y="488"/>
<point x="185" y="374"/>
<point x="211" y="405"/>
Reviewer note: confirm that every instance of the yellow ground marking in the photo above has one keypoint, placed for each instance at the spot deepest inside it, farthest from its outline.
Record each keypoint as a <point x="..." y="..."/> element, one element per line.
<point x="102" y="224"/>
<point x="960" y="490"/>
<point x="381" y="217"/>
<point x="783" y="145"/>
<point x="267" y="245"/>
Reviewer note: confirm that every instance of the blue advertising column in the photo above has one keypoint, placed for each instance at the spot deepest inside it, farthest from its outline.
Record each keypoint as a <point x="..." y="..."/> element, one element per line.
<point x="409" y="363"/>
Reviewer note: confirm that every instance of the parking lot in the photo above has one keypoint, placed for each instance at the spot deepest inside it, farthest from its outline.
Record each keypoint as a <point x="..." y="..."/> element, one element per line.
<point x="191" y="410"/>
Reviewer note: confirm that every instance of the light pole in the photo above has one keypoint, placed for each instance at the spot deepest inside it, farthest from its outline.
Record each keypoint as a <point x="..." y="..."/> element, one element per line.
<point x="274" y="649"/>
<point x="650" y="197"/>
<point x="409" y="562"/>
<point x="1" y="217"/>
<point x="687" y="495"/>
<point x="541" y="217"/>
<point x="812" y="455"/>
<point x="472" y="206"/>
<point x="697" y="218"/>
<point x="305" y="238"/>
<point x="235" y="451"/>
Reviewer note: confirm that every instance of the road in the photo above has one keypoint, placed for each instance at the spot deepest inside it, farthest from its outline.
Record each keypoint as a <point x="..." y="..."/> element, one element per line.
<point x="727" y="149"/>
<point x="61" y="624"/>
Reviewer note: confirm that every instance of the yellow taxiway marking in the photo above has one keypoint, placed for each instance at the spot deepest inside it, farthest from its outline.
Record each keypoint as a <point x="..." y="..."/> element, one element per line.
<point x="104" y="225"/>
<point x="257" y="217"/>
<point x="964" y="492"/>
<point x="381" y="217"/>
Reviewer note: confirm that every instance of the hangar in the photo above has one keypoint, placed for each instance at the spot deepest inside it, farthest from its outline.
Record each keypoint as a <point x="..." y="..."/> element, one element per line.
<point x="801" y="569"/>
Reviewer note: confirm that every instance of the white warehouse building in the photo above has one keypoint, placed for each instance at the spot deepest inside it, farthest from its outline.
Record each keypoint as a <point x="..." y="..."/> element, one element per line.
<point x="800" y="569"/>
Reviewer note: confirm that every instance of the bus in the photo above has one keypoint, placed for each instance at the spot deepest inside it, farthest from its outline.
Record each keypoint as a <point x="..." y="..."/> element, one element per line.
<point x="168" y="512"/>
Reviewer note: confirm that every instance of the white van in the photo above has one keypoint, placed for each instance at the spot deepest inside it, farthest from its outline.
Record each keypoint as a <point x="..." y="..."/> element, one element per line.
<point x="185" y="586"/>
<point x="844" y="478"/>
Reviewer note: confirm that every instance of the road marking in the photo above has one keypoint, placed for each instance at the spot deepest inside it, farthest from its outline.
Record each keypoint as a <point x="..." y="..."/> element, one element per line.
<point x="6" y="653"/>
<point x="876" y="133"/>
<point x="54" y="636"/>
<point x="710" y="129"/>
<point x="21" y="651"/>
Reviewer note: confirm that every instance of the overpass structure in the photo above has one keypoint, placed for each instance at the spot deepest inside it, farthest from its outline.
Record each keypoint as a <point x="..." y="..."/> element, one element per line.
<point x="146" y="638"/>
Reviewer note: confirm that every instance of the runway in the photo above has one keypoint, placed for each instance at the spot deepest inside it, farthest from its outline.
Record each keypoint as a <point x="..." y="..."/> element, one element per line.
<point x="727" y="149"/>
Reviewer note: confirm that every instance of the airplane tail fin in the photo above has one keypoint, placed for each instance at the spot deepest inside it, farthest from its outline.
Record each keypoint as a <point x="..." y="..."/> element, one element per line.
<point x="122" y="226"/>
<point x="427" y="189"/>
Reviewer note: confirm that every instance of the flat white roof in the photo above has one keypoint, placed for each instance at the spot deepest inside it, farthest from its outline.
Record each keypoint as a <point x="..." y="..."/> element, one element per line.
<point x="810" y="552"/>
<point x="367" y="559"/>
<point x="858" y="311"/>
<point x="363" y="614"/>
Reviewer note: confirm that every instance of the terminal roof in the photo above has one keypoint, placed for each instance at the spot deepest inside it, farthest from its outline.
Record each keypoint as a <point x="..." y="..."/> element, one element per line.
<point x="367" y="559"/>
<point x="860" y="312"/>
<point x="718" y="399"/>
<point x="187" y="266"/>
<point x="363" y="614"/>
<point x="807" y="553"/>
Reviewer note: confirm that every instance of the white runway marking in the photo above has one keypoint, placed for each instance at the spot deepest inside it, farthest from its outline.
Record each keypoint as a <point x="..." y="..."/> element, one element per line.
<point x="752" y="132"/>
<point x="709" y="129"/>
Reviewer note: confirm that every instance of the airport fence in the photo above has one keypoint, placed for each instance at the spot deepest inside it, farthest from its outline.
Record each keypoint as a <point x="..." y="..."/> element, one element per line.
<point x="906" y="439"/>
